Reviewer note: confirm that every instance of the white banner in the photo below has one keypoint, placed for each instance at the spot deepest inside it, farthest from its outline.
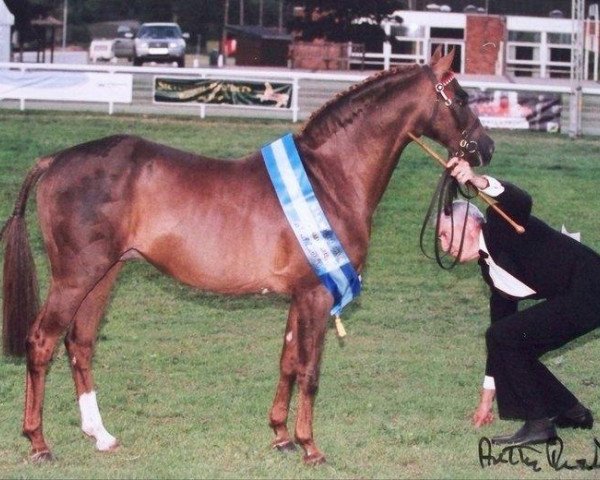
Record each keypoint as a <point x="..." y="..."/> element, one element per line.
<point x="66" y="86"/>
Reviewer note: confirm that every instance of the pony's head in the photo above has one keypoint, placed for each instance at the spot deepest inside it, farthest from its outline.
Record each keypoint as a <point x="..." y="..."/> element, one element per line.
<point x="452" y="121"/>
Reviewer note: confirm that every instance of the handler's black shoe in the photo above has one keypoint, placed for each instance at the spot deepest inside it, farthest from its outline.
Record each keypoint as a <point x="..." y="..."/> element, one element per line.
<point x="576" y="417"/>
<point x="532" y="432"/>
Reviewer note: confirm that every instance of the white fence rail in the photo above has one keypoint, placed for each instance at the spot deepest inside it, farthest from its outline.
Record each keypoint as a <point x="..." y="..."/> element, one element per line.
<point x="310" y="91"/>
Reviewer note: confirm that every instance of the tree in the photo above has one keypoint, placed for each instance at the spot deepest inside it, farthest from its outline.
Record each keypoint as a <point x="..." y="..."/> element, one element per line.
<point x="328" y="19"/>
<point x="24" y="11"/>
<point x="346" y="20"/>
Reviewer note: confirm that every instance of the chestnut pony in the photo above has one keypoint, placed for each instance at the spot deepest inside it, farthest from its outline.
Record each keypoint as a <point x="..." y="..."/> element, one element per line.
<point x="216" y="225"/>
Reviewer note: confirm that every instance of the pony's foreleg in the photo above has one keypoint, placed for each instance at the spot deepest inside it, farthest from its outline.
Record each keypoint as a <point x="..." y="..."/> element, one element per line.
<point x="80" y="347"/>
<point x="313" y="309"/>
<point x="287" y="376"/>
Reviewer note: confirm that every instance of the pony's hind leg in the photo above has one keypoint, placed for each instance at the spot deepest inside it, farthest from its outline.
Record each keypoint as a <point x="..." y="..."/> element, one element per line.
<point x="80" y="343"/>
<point x="52" y="322"/>
<point x="287" y="376"/>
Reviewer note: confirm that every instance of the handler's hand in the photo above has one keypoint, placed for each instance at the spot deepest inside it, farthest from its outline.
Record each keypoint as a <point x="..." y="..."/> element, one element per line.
<point x="484" y="415"/>
<point x="462" y="171"/>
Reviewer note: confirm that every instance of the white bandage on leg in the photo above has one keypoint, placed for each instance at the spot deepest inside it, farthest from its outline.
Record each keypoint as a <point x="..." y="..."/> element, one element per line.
<point x="91" y="422"/>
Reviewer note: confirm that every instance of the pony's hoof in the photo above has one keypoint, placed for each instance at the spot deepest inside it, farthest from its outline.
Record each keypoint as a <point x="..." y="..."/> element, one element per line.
<point x="44" y="456"/>
<point x="108" y="448"/>
<point x="285" y="446"/>
<point x="314" y="459"/>
<point x="104" y="443"/>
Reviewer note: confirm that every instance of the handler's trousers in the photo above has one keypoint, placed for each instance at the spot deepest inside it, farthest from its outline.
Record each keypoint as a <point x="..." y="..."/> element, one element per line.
<point x="525" y="388"/>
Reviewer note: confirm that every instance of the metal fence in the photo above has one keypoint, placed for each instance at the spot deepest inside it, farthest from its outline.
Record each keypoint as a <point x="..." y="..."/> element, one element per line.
<point x="310" y="91"/>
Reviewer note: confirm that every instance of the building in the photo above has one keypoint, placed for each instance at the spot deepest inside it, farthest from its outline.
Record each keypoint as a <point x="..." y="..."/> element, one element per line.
<point x="488" y="44"/>
<point x="258" y="46"/>
<point x="7" y="20"/>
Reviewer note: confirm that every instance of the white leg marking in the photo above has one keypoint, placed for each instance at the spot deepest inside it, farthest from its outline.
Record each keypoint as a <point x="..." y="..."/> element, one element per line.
<point x="91" y="422"/>
<point x="289" y="337"/>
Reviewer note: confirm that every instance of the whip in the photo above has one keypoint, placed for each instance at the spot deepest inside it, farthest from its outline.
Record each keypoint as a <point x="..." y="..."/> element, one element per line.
<point x="483" y="196"/>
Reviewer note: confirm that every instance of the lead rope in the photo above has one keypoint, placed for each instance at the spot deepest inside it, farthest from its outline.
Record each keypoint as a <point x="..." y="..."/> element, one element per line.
<point x="441" y="203"/>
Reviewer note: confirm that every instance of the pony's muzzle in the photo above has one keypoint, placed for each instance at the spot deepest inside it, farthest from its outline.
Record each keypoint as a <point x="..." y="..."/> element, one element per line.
<point x="484" y="151"/>
<point x="488" y="152"/>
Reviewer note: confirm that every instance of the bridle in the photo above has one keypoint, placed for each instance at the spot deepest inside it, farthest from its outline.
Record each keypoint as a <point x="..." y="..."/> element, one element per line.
<point x="458" y="108"/>
<point x="448" y="188"/>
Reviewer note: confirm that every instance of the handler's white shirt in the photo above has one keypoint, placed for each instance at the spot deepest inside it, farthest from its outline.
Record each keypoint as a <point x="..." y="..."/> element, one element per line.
<point x="502" y="279"/>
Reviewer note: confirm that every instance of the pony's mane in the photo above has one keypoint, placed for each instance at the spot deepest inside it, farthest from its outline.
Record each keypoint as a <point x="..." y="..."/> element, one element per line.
<point x="399" y="73"/>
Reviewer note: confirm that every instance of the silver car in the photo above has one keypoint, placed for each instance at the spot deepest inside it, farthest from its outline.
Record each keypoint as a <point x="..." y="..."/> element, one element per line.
<point x="160" y="42"/>
<point x="123" y="44"/>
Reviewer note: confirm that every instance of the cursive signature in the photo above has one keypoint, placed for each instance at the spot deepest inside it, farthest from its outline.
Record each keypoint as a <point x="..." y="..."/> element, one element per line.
<point x="513" y="455"/>
<point x="532" y="456"/>
<point x="554" y="456"/>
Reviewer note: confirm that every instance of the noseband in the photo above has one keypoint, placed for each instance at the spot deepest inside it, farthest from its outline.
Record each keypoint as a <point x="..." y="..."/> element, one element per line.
<point x="466" y="145"/>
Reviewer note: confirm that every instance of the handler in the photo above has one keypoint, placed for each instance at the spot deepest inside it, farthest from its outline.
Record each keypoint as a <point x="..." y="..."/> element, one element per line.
<point x="541" y="263"/>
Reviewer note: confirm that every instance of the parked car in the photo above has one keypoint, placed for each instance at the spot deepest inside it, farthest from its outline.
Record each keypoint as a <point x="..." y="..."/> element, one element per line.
<point x="101" y="50"/>
<point x="123" y="46"/>
<point x="160" y="42"/>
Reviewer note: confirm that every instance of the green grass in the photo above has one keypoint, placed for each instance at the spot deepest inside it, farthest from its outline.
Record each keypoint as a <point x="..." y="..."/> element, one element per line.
<point x="185" y="379"/>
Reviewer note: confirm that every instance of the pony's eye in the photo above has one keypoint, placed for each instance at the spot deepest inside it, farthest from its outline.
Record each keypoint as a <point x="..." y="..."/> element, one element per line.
<point x="462" y="97"/>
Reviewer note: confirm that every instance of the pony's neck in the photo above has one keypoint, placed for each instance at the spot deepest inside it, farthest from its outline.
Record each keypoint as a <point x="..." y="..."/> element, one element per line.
<point x="353" y="156"/>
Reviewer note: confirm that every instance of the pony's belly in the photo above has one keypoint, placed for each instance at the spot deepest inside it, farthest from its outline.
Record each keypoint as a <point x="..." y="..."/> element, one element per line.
<point x="225" y="268"/>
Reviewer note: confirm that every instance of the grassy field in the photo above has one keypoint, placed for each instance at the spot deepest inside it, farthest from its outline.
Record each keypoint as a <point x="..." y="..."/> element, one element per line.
<point x="185" y="379"/>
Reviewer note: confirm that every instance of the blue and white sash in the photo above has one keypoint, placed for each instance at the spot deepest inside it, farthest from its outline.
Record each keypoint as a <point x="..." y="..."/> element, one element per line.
<point x="319" y="242"/>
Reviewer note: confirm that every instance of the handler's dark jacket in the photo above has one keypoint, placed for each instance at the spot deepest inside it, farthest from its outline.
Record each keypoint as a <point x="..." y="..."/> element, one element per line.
<point x="553" y="264"/>
<point x="543" y="258"/>
<point x="565" y="276"/>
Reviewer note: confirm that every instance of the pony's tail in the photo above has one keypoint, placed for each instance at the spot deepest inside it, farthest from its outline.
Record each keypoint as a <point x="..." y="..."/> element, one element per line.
<point x="20" y="304"/>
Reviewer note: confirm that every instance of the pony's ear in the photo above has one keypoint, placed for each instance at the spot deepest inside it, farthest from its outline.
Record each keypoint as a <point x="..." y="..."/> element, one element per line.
<point x="444" y="64"/>
<point x="437" y="54"/>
